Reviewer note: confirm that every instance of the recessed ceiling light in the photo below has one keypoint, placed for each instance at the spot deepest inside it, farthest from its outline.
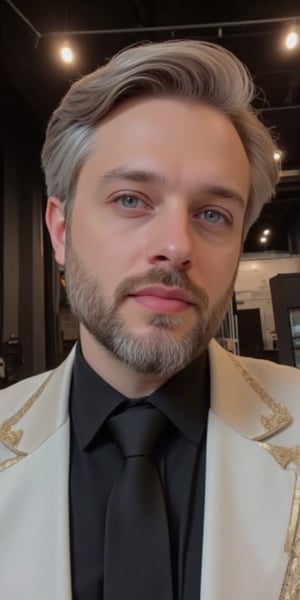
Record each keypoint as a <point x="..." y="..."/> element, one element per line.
<point x="291" y="40"/>
<point x="66" y="54"/>
<point x="277" y="155"/>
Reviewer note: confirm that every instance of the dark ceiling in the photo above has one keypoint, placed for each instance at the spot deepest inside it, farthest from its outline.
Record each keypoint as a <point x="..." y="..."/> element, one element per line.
<point x="33" y="67"/>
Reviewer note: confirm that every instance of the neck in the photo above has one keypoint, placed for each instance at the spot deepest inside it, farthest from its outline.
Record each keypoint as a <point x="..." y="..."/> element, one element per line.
<point x="120" y="376"/>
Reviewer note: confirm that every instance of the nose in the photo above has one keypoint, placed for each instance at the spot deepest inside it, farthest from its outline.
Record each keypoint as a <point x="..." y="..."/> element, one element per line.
<point x="170" y="240"/>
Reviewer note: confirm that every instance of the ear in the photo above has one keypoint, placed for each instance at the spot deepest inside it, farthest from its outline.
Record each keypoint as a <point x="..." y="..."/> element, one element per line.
<point x="55" y="220"/>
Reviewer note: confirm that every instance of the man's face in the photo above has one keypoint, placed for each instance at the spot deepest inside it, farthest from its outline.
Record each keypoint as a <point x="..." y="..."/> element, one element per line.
<point x="154" y="237"/>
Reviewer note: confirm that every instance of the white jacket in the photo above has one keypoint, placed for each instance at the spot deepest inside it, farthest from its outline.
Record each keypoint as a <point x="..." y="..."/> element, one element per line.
<point x="251" y="545"/>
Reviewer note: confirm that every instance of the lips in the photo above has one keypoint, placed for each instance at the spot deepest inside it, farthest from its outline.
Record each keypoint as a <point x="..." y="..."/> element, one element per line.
<point x="167" y="293"/>
<point x="163" y="300"/>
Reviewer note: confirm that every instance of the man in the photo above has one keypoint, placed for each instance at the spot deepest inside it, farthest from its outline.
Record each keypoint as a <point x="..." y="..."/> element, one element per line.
<point x="156" y="166"/>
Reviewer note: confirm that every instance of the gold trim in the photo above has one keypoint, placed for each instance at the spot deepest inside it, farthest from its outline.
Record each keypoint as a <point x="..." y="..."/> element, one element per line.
<point x="11" y="438"/>
<point x="11" y="461"/>
<point x="280" y="417"/>
<point x="284" y="456"/>
<point x="294" y="520"/>
<point x="291" y="585"/>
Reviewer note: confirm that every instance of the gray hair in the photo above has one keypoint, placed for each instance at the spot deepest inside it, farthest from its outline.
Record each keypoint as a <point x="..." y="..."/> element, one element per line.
<point x="189" y="70"/>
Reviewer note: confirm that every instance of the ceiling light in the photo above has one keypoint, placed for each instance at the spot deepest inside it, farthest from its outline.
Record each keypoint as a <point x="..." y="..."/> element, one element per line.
<point x="66" y="54"/>
<point x="291" y="40"/>
<point x="277" y="155"/>
<point x="263" y="239"/>
<point x="266" y="232"/>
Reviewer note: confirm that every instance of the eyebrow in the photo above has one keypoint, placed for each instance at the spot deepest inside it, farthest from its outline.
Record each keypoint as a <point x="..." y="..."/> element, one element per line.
<point x="151" y="177"/>
<point x="138" y="175"/>
<point x="224" y="192"/>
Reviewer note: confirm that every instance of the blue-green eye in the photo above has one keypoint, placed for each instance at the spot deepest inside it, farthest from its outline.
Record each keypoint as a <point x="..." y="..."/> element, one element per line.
<point x="129" y="201"/>
<point x="213" y="216"/>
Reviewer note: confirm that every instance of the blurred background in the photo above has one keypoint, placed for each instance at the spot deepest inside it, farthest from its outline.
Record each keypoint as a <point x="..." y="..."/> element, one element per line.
<point x="48" y="45"/>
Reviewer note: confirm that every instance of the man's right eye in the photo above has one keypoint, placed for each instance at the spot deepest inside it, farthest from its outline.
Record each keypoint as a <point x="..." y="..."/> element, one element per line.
<point x="129" y="201"/>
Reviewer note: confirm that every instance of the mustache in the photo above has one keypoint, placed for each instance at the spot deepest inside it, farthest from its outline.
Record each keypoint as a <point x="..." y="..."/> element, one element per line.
<point x="169" y="278"/>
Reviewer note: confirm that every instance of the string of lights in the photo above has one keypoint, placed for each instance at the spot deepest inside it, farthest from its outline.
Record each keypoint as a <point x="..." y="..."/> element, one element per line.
<point x="68" y="55"/>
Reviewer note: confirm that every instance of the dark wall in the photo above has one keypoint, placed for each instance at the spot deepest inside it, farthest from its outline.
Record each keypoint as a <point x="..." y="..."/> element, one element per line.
<point x="22" y="243"/>
<point x="1" y="241"/>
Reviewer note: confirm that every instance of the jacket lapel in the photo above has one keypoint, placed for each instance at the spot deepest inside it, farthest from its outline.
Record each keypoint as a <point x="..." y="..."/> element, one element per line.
<point x="249" y="496"/>
<point x="36" y="412"/>
<point x="34" y="505"/>
<point x="34" y="546"/>
<point x="248" y="501"/>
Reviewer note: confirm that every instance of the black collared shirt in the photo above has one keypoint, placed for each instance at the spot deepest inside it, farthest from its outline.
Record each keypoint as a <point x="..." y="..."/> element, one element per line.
<point x="96" y="462"/>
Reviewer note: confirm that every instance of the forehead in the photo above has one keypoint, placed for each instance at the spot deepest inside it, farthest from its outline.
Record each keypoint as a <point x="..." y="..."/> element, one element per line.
<point x="186" y="139"/>
<point x="151" y="117"/>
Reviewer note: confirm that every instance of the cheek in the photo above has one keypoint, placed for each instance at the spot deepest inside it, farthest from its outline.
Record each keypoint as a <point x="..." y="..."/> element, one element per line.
<point x="88" y="240"/>
<point x="219" y="270"/>
<point x="101" y="255"/>
<point x="100" y="245"/>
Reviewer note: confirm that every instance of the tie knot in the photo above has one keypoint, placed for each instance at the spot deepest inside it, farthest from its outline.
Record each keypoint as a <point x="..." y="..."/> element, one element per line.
<point x="136" y="430"/>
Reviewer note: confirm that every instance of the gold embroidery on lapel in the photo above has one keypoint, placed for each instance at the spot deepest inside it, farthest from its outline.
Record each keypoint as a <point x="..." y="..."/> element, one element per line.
<point x="294" y="521"/>
<point x="11" y="461"/>
<point x="280" y="417"/>
<point x="291" y="586"/>
<point x="11" y="438"/>
<point x="284" y="456"/>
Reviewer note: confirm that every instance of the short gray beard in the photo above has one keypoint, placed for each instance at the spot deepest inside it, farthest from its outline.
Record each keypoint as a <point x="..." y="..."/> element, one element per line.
<point x="159" y="352"/>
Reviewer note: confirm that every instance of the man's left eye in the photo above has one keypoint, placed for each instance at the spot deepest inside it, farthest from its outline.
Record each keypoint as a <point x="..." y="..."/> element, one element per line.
<point x="129" y="201"/>
<point x="212" y="216"/>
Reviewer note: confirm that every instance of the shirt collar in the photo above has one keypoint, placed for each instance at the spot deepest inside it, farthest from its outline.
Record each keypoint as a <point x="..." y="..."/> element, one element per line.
<point x="183" y="399"/>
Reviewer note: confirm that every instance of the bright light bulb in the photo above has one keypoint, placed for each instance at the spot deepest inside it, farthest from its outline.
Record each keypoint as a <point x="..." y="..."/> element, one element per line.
<point x="291" y="40"/>
<point x="277" y="155"/>
<point x="263" y="239"/>
<point x="266" y="232"/>
<point x="67" y="54"/>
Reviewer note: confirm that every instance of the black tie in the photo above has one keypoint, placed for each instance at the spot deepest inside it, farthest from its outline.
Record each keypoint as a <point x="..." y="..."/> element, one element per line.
<point x="137" y="564"/>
